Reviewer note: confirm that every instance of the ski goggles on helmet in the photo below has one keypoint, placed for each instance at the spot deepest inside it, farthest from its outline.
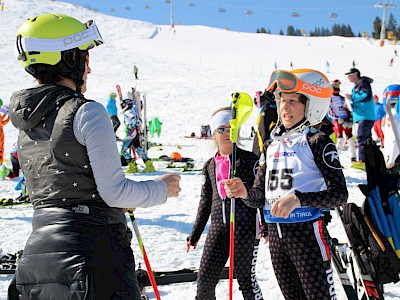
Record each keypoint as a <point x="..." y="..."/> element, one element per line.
<point x="288" y="82"/>
<point x="87" y="39"/>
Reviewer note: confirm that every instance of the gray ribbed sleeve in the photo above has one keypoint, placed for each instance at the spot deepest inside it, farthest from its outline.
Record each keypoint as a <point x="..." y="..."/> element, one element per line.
<point x="93" y="129"/>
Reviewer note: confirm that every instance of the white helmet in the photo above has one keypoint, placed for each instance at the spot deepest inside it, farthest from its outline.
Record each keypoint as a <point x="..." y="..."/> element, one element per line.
<point x="310" y="83"/>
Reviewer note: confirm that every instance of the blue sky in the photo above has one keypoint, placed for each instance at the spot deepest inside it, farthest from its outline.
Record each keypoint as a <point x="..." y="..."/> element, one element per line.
<point x="270" y="14"/>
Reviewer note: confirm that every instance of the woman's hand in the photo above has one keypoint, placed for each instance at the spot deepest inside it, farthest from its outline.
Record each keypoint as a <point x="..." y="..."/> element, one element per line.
<point x="172" y="181"/>
<point x="188" y="244"/>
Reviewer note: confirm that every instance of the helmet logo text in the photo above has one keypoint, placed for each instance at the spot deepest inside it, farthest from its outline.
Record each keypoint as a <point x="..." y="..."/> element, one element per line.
<point x="75" y="38"/>
<point x="311" y="88"/>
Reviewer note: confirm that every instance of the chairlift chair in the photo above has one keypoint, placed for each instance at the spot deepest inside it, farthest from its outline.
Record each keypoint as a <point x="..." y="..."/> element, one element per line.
<point x="333" y="16"/>
<point x="221" y="10"/>
<point x="249" y="13"/>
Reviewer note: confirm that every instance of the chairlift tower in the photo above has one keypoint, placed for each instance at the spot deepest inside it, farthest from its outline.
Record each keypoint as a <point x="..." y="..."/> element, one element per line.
<point x="383" y="27"/>
<point x="172" y="13"/>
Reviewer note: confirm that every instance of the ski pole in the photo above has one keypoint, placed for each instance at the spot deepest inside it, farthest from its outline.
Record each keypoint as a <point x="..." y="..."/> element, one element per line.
<point x="242" y="106"/>
<point x="144" y="254"/>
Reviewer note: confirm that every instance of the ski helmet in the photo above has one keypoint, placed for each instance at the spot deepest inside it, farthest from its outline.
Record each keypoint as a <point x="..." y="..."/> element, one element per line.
<point x="1" y="102"/>
<point x="310" y="83"/>
<point x="56" y="42"/>
<point x="113" y="95"/>
<point x="175" y="156"/>
<point x="336" y="86"/>
<point x="393" y="91"/>
<point x="127" y="104"/>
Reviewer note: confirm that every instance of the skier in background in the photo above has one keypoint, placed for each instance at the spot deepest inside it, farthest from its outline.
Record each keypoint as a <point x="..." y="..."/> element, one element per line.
<point x="135" y="71"/>
<point x="132" y="141"/>
<point x="342" y="120"/>
<point x="73" y="173"/>
<point x="113" y="112"/>
<point x="214" y="202"/>
<point x="362" y="103"/>
<point x="4" y="119"/>
<point x="379" y="115"/>
<point x="301" y="176"/>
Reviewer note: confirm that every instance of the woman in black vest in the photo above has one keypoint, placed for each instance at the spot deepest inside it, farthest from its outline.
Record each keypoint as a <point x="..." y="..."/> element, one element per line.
<point x="79" y="247"/>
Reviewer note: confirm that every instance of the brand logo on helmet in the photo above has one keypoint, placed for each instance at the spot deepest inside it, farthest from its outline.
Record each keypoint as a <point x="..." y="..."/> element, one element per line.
<point x="311" y="88"/>
<point x="75" y="38"/>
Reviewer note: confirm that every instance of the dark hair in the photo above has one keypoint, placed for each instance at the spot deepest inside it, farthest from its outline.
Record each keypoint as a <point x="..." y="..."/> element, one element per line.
<point x="48" y="76"/>
<point x="303" y="99"/>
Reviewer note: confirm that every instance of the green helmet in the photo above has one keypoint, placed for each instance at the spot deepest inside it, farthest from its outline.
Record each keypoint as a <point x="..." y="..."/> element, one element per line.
<point x="56" y="42"/>
<point x="1" y="102"/>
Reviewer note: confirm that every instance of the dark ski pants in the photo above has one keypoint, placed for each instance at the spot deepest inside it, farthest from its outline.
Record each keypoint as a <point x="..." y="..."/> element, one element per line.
<point x="363" y="133"/>
<point x="216" y="254"/>
<point x="301" y="260"/>
<point x="115" y="121"/>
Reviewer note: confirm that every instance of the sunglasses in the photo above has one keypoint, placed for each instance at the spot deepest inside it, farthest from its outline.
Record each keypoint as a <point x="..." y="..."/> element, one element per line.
<point x="222" y="130"/>
<point x="290" y="83"/>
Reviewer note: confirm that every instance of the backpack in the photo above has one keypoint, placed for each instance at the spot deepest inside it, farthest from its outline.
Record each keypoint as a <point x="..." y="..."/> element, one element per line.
<point x="374" y="253"/>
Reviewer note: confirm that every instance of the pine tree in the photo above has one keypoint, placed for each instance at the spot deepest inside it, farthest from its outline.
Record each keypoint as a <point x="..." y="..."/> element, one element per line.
<point x="377" y="28"/>
<point x="290" y="30"/>
<point x="392" y="24"/>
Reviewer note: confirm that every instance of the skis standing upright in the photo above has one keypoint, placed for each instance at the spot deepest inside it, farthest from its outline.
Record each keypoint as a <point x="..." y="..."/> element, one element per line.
<point x="139" y="110"/>
<point x="119" y="91"/>
<point x="145" y="128"/>
<point x="364" y="284"/>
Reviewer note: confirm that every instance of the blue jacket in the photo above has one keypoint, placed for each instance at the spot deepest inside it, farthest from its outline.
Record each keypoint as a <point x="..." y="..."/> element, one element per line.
<point x="112" y="107"/>
<point x="362" y="100"/>
<point x="379" y="111"/>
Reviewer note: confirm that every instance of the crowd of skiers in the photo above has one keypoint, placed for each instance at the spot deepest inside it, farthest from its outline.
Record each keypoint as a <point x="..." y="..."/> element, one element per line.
<point x="79" y="208"/>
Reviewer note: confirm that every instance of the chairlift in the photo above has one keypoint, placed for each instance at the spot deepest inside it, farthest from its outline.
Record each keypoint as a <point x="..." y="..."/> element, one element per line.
<point x="249" y="13"/>
<point x="128" y="8"/>
<point x="333" y="16"/>
<point x="146" y="7"/>
<point x="168" y="1"/>
<point x="295" y="14"/>
<point x="190" y="4"/>
<point x="112" y="9"/>
<point x="221" y="10"/>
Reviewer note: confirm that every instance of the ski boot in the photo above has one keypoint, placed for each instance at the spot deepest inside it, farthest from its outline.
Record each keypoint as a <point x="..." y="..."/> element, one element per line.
<point x="188" y="166"/>
<point x="358" y="165"/>
<point x="132" y="167"/>
<point x="149" y="167"/>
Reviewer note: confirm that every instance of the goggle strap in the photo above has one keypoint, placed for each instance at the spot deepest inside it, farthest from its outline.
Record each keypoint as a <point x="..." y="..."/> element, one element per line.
<point x="64" y="43"/>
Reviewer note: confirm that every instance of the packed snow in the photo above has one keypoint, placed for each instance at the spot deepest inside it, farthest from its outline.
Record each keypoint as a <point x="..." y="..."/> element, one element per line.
<point x="186" y="73"/>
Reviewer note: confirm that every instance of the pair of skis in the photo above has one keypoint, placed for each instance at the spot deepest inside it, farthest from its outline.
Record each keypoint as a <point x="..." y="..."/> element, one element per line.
<point x="354" y="269"/>
<point x="134" y="95"/>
